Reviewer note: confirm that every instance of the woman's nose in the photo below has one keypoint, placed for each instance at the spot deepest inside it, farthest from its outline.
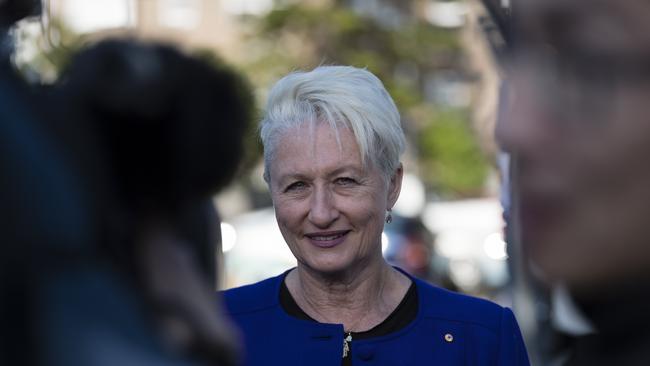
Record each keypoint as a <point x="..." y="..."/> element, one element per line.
<point x="322" y="210"/>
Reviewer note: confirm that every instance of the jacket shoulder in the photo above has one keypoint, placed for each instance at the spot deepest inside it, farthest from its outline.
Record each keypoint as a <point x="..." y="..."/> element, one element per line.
<point x="444" y="304"/>
<point x="254" y="297"/>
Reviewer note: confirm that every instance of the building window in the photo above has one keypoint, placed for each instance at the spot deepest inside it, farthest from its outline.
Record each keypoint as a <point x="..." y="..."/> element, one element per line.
<point x="180" y="14"/>
<point x="247" y="7"/>
<point x="83" y="16"/>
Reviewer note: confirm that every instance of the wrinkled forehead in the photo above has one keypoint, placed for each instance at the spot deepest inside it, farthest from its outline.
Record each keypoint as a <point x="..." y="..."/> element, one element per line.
<point x="313" y="135"/>
<point x="605" y="25"/>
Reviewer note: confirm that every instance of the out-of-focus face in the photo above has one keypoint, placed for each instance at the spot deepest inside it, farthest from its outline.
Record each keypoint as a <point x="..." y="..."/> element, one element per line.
<point x="330" y="208"/>
<point x="578" y="124"/>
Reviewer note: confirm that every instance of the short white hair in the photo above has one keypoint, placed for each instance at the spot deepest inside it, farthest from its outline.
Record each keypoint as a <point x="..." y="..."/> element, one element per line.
<point x="342" y="96"/>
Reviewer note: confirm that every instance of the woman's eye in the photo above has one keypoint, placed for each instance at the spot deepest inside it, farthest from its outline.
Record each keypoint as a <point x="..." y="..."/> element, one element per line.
<point x="296" y="186"/>
<point x="345" y="181"/>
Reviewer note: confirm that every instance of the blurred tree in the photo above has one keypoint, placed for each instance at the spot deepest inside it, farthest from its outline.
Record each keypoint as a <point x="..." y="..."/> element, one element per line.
<point x="407" y="59"/>
<point x="455" y="164"/>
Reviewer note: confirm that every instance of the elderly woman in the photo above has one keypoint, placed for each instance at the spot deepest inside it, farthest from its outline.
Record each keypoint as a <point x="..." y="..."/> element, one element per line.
<point x="332" y="141"/>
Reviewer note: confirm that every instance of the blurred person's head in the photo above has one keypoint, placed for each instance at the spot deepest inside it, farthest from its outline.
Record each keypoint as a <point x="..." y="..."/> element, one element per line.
<point x="332" y="141"/>
<point x="169" y="128"/>
<point x="578" y="126"/>
<point x="172" y="125"/>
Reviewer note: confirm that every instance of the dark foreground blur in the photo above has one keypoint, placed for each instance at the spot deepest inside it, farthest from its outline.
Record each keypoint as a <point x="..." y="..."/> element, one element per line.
<point x="576" y="122"/>
<point x="107" y="230"/>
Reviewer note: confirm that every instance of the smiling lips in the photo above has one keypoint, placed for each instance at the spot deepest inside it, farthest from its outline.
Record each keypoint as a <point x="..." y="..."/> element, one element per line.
<point x="327" y="239"/>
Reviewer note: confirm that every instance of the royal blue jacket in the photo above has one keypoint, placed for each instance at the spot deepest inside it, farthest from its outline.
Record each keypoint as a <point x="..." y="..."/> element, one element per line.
<point x="449" y="329"/>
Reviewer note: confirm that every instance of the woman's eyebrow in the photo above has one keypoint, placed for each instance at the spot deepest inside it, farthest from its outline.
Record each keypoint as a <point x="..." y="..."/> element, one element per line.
<point x="347" y="168"/>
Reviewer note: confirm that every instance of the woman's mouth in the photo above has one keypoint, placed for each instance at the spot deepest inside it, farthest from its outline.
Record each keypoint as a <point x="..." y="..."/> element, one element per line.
<point x="327" y="239"/>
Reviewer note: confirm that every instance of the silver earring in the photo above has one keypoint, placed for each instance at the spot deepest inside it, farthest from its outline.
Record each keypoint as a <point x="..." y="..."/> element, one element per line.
<point x="389" y="217"/>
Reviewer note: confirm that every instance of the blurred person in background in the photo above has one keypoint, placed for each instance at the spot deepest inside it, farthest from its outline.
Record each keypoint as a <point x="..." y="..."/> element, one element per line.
<point x="332" y="142"/>
<point x="577" y="125"/>
<point x="108" y="230"/>
<point x="411" y="247"/>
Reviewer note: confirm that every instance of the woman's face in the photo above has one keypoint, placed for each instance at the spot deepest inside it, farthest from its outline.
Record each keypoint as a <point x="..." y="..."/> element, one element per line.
<point x="330" y="208"/>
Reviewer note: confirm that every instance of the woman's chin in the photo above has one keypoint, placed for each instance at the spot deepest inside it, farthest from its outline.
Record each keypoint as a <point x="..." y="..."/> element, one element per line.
<point x="329" y="265"/>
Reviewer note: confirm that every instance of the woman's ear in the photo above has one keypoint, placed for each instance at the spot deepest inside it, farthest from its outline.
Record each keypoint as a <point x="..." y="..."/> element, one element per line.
<point x="395" y="186"/>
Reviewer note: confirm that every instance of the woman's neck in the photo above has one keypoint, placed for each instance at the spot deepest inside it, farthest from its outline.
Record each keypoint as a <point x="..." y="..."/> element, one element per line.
<point x="358" y="299"/>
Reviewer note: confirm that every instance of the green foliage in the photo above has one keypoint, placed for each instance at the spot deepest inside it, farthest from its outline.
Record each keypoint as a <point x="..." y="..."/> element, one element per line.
<point x="303" y="37"/>
<point x="451" y="159"/>
<point x="339" y="35"/>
